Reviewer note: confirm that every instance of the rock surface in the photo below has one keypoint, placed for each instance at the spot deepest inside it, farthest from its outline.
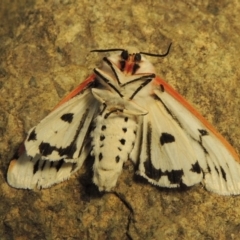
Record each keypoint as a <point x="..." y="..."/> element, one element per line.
<point x="45" y="53"/>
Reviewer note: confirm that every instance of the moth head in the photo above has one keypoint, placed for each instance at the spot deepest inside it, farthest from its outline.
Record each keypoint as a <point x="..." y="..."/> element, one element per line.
<point x="131" y="61"/>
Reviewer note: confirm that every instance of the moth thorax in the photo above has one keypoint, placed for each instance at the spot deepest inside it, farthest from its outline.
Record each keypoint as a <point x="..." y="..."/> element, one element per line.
<point x="112" y="141"/>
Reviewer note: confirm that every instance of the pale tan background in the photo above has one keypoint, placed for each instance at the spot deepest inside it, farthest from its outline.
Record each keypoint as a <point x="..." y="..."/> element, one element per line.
<point x="44" y="53"/>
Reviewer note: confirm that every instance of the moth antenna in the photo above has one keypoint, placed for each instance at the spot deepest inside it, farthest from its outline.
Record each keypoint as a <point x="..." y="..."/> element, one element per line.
<point x="158" y="55"/>
<point x="144" y="53"/>
<point x="108" y="50"/>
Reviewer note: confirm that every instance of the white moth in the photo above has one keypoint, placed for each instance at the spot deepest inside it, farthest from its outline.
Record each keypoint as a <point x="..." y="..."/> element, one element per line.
<point x="124" y="111"/>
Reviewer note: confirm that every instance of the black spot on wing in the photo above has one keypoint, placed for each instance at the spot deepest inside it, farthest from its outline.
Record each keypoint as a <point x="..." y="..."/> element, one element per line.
<point x="100" y="156"/>
<point x="70" y="150"/>
<point x="67" y="151"/>
<point x="51" y="163"/>
<point x="43" y="165"/>
<point x="203" y="132"/>
<point x="35" y="167"/>
<point x="175" y="176"/>
<point x="196" y="168"/>
<point x="223" y="174"/>
<point x="32" y="136"/>
<point x="149" y="144"/>
<point x="72" y="147"/>
<point x="166" y="138"/>
<point x="126" y="119"/>
<point x="46" y="149"/>
<point x="216" y="169"/>
<point x="151" y="171"/>
<point x="59" y="164"/>
<point x="67" y="117"/>
<point x="117" y="159"/>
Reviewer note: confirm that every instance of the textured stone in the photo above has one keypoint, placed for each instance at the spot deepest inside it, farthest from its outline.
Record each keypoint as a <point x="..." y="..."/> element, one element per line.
<point x="44" y="48"/>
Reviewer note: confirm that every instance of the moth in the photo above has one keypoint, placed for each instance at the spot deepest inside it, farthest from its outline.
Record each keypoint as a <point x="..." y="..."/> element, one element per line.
<point x="125" y="111"/>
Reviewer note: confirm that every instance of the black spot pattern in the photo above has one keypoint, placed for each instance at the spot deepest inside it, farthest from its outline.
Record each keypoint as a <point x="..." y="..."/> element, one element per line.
<point x="126" y="119"/>
<point x="151" y="171"/>
<point x="203" y="132"/>
<point x="103" y="127"/>
<point x="32" y="136"/>
<point x="223" y="174"/>
<point x="43" y="165"/>
<point x="46" y="149"/>
<point x="51" y="163"/>
<point x="68" y="151"/>
<point x="100" y="156"/>
<point x="149" y="142"/>
<point x="117" y="159"/>
<point x="122" y="141"/>
<point x="124" y="130"/>
<point x="216" y="170"/>
<point x="166" y="138"/>
<point x="174" y="176"/>
<point x="196" y="168"/>
<point x="59" y="164"/>
<point x="102" y="137"/>
<point x="35" y="167"/>
<point x="68" y="117"/>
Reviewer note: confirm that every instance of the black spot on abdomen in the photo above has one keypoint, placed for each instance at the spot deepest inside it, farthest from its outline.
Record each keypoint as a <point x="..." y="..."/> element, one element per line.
<point x="117" y="159"/>
<point x="122" y="141"/>
<point x="100" y="156"/>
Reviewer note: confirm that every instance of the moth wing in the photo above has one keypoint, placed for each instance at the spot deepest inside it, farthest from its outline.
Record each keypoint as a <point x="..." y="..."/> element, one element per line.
<point x="58" y="145"/>
<point x="30" y="172"/>
<point x="62" y="133"/>
<point x="166" y="157"/>
<point x="216" y="161"/>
